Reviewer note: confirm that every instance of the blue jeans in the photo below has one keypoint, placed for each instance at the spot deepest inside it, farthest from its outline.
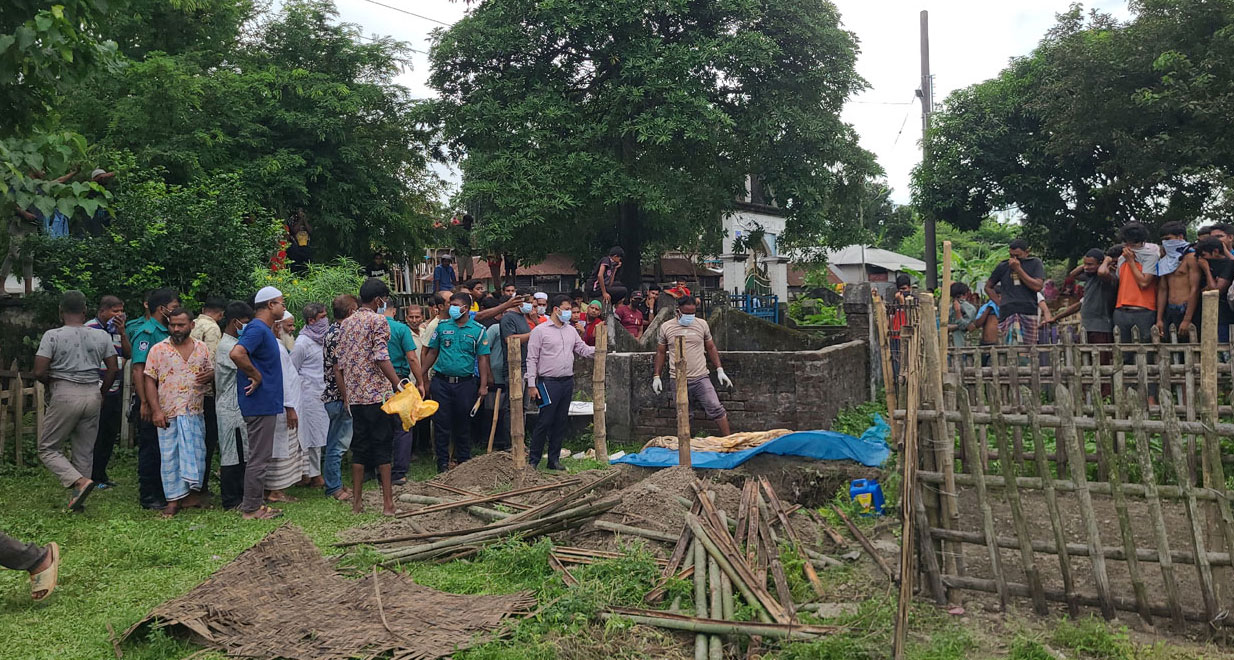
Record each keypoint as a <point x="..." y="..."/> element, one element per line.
<point x="338" y="440"/>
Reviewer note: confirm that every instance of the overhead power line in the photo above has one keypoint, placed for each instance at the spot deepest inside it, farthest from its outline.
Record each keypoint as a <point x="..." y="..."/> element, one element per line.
<point x="409" y="13"/>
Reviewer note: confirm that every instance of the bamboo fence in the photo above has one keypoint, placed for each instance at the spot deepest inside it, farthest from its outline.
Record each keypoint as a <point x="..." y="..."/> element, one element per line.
<point x="1086" y="475"/>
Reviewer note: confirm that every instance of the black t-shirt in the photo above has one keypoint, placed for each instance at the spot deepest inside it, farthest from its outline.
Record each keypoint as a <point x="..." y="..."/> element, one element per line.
<point x="514" y="323"/>
<point x="374" y="270"/>
<point x="1017" y="298"/>
<point x="1223" y="269"/>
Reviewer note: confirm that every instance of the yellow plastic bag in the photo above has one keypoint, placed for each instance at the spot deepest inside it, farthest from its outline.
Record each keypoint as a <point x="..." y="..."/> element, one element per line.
<point x="409" y="407"/>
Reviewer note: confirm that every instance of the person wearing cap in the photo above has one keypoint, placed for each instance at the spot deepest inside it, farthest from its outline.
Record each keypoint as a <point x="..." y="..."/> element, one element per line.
<point x="287" y="467"/>
<point x="178" y="374"/>
<point x="457" y="351"/>
<point x="67" y="361"/>
<point x="366" y="378"/>
<point x="259" y="389"/>
<point x="444" y="277"/>
<point x="145" y="335"/>
<point x="550" y="364"/>
<point x="541" y="303"/>
<point x="698" y="348"/>
<point x="587" y="326"/>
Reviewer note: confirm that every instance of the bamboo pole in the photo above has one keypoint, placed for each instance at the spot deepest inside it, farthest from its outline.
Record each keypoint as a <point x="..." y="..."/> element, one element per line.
<point x="908" y="503"/>
<point x="715" y="645"/>
<point x="968" y="434"/>
<point x="1223" y="430"/>
<point x="944" y="306"/>
<point x="445" y="506"/>
<point x="4" y="422"/>
<point x="683" y="403"/>
<point x="700" y="598"/>
<point x="1051" y="500"/>
<point x="518" y="423"/>
<point x="18" y="398"/>
<point x="467" y="493"/>
<point x="1012" y="468"/>
<point x="884" y="354"/>
<point x="492" y="432"/>
<point x="778" y="506"/>
<point x="727" y="608"/>
<point x="717" y="626"/>
<point x="1105" y="440"/>
<point x="650" y="534"/>
<point x="599" y="424"/>
<point x="1075" y="448"/>
<point x="1162" y="537"/>
<point x="754" y="593"/>
<point x="932" y="364"/>
<point x="40" y="408"/>
<point x="126" y="393"/>
<point x="1111" y="552"/>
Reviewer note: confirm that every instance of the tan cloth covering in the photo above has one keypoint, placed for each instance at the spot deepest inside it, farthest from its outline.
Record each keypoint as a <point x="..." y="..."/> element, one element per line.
<point x="726" y="444"/>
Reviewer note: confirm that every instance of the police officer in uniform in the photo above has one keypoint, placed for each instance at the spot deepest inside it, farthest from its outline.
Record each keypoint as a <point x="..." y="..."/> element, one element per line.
<point x="160" y="303"/>
<point x="457" y="351"/>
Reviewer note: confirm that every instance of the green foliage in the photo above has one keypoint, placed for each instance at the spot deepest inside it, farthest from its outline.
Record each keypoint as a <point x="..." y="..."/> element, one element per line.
<point x="1093" y="638"/>
<point x="580" y="124"/>
<point x="45" y="50"/>
<point x="854" y="420"/>
<point x="320" y="284"/>
<point x="1104" y="122"/>
<point x="301" y="110"/>
<point x="203" y="239"/>
<point x="813" y="311"/>
<point x="866" y="635"/>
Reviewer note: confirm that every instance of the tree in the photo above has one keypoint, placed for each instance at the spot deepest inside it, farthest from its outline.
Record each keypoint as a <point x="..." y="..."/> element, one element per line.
<point x="1105" y="122"/>
<point x="165" y="235"/>
<point x="581" y="125"/>
<point x="44" y="50"/>
<point x="303" y="111"/>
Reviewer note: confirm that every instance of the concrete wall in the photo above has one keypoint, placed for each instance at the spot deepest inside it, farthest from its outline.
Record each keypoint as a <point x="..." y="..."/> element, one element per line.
<point x="798" y="390"/>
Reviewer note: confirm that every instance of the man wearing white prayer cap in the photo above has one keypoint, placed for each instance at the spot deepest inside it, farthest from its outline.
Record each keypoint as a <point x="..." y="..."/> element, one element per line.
<point x="259" y="387"/>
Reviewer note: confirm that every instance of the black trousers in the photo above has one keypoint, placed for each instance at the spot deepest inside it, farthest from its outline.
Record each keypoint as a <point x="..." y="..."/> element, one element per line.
<point x="452" y="421"/>
<point x="212" y="442"/>
<point x="149" y="462"/>
<point x="551" y="427"/>
<point x="231" y="479"/>
<point x="110" y="416"/>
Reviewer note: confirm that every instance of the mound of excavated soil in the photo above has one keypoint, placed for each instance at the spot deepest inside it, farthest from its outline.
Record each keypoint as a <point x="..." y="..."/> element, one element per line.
<point x="490" y="473"/>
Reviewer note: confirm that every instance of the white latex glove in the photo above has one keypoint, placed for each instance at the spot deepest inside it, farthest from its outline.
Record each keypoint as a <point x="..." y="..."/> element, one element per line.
<point x="657" y="385"/>
<point x="724" y="379"/>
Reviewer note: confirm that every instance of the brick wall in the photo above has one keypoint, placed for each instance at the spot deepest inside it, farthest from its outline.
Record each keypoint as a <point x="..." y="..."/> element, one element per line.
<point x="797" y="390"/>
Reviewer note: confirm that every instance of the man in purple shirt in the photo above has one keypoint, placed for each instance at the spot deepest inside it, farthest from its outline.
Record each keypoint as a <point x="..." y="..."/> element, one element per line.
<point x="550" y="363"/>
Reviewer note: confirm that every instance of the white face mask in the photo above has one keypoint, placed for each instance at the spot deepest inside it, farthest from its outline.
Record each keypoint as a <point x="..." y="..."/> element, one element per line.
<point x="525" y="308"/>
<point x="540" y="310"/>
<point x="565" y="315"/>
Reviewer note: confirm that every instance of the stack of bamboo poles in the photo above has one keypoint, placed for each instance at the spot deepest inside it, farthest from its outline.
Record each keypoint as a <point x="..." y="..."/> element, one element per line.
<point x="727" y="566"/>
<point x="571" y="510"/>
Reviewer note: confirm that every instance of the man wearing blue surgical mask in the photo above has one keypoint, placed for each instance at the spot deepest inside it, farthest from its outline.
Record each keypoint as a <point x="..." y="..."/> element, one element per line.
<point x="698" y="348"/>
<point x="456" y="351"/>
<point x="550" y="365"/>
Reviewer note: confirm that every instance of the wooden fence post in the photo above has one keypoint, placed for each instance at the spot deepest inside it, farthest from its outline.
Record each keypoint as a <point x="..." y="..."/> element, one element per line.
<point x="943" y="455"/>
<point x="683" y="403"/>
<point x="944" y="305"/>
<point x="599" y="430"/>
<point x="126" y="393"/>
<point x="908" y="494"/>
<point x="884" y="354"/>
<point x="40" y="404"/>
<point x="518" y="423"/>
<point x="18" y="398"/>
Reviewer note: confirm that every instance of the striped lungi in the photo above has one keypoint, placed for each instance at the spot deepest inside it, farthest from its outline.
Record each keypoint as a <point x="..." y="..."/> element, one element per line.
<point x="182" y="455"/>
<point x="1018" y="329"/>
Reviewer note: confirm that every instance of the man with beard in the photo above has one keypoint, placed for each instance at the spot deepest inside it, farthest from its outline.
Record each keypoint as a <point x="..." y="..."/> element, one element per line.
<point x="178" y="373"/>
<point x="233" y="434"/>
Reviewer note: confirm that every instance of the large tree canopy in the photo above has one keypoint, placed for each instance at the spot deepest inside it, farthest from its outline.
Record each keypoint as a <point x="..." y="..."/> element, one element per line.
<point x="1105" y="122"/>
<point x="302" y="110"/>
<point x="636" y="122"/>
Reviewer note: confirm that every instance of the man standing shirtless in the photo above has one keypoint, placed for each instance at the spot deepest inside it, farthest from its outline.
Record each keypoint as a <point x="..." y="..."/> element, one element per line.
<point x="1179" y="298"/>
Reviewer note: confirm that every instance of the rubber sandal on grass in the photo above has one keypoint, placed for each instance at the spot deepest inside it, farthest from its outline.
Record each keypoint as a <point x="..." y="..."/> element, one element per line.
<point x="77" y="498"/>
<point x="45" y="581"/>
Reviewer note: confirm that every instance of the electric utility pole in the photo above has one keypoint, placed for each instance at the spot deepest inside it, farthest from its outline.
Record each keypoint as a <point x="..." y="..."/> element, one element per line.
<point x="926" y="94"/>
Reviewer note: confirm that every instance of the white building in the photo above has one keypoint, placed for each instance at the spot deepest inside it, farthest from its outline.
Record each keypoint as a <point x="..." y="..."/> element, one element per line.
<point x="863" y="263"/>
<point x="756" y="215"/>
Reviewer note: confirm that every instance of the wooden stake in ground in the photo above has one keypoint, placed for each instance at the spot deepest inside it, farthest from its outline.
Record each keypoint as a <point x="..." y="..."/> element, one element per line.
<point x="492" y="432"/>
<point x="908" y="492"/>
<point x="19" y="411"/>
<point x="514" y="362"/>
<point x="944" y="304"/>
<point x="599" y="425"/>
<point x="683" y="403"/>
<point x="884" y="354"/>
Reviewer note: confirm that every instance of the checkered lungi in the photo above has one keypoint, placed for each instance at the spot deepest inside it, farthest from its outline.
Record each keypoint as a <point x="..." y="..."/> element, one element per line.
<point x="1018" y="329"/>
<point x="182" y="453"/>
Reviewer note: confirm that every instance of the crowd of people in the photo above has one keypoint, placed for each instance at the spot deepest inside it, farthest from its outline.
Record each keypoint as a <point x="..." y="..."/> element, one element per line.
<point x="281" y="408"/>
<point x="1126" y="292"/>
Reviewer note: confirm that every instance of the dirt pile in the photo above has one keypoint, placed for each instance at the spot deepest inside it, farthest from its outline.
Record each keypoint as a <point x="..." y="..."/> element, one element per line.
<point x="650" y="503"/>
<point x="491" y="473"/>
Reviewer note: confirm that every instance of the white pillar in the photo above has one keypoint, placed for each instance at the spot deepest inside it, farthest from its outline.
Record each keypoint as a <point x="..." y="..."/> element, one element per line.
<point x="777" y="274"/>
<point x="734" y="275"/>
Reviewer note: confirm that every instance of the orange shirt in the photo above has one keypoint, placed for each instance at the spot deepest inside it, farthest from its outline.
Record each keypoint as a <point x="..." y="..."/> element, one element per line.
<point x="1129" y="292"/>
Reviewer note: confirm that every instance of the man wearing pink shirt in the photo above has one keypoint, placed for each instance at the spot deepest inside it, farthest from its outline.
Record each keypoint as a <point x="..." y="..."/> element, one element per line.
<point x="550" y="363"/>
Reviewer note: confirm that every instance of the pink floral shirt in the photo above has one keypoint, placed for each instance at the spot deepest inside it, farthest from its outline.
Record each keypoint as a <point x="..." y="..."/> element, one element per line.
<point x="179" y="393"/>
<point x="363" y="342"/>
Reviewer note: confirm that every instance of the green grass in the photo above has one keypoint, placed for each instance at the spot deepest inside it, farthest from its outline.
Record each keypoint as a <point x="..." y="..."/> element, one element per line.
<point x="120" y="561"/>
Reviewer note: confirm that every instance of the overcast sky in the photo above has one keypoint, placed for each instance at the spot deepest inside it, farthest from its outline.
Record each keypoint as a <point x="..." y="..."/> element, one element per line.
<point x="970" y="41"/>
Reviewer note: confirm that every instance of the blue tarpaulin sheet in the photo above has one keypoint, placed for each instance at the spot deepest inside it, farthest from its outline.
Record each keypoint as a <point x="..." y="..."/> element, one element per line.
<point x="870" y="450"/>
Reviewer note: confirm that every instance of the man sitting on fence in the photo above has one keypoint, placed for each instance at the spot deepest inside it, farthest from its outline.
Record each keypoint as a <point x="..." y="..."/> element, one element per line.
<point x="67" y="361"/>
<point x="1013" y="286"/>
<point x="178" y="374"/>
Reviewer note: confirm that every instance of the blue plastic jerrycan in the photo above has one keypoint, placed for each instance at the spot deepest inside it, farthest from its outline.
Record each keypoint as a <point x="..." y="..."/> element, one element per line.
<point x="868" y="495"/>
